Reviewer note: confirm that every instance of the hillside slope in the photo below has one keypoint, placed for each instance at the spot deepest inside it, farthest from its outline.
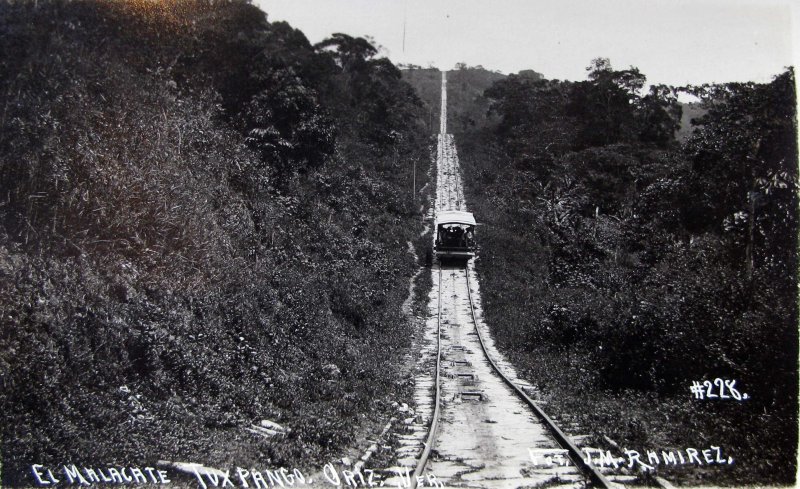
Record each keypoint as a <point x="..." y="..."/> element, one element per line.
<point x="467" y="105"/>
<point x="204" y="225"/>
<point x="620" y="267"/>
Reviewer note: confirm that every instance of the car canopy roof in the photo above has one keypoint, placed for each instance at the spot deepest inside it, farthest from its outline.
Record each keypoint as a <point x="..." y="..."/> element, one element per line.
<point x="455" y="217"/>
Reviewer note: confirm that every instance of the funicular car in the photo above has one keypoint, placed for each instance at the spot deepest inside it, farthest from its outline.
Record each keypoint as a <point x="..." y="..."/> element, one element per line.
<point x="455" y="235"/>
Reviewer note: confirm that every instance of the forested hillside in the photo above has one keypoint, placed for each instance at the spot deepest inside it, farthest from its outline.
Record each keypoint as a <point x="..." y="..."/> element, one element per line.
<point x="204" y="224"/>
<point x="620" y="266"/>
<point x="467" y="105"/>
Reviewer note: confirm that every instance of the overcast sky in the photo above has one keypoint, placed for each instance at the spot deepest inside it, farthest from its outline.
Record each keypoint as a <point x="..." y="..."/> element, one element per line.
<point x="670" y="41"/>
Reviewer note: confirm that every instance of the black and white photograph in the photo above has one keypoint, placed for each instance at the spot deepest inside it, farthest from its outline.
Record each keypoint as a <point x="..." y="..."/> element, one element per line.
<point x="399" y="243"/>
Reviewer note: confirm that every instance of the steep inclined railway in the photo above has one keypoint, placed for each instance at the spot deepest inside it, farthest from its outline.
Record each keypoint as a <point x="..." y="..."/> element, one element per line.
<point x="478" y="429"/>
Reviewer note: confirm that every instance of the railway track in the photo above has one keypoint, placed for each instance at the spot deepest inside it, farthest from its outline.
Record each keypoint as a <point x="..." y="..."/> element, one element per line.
<point x="475" y="425"/>
<point x="482" y="426"/>
<point x="470" y="443"/>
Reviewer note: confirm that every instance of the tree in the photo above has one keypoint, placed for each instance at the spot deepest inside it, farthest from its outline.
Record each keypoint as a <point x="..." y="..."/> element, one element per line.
<point x="744" y="155"/>
<point x="606" y="103"/>
<point x="350" y="53"/>
<point x="534" y="124"/>
<point x="286" y="124"/>
<point x="659" y="115"/>
<point x="369" y="94"/>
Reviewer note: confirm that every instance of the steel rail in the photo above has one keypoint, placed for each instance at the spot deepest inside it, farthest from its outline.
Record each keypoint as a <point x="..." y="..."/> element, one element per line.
<point x="423" y="459"/>
<point x="560" y="436"/>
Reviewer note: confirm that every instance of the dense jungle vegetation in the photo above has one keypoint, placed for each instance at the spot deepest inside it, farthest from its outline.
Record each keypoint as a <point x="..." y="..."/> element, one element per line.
<point x="620" y="265"/>
<point x="204" y="224"/>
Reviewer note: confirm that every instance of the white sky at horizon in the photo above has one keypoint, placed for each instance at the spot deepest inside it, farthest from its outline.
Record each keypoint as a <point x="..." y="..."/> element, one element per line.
<point x="676" y="42"/>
